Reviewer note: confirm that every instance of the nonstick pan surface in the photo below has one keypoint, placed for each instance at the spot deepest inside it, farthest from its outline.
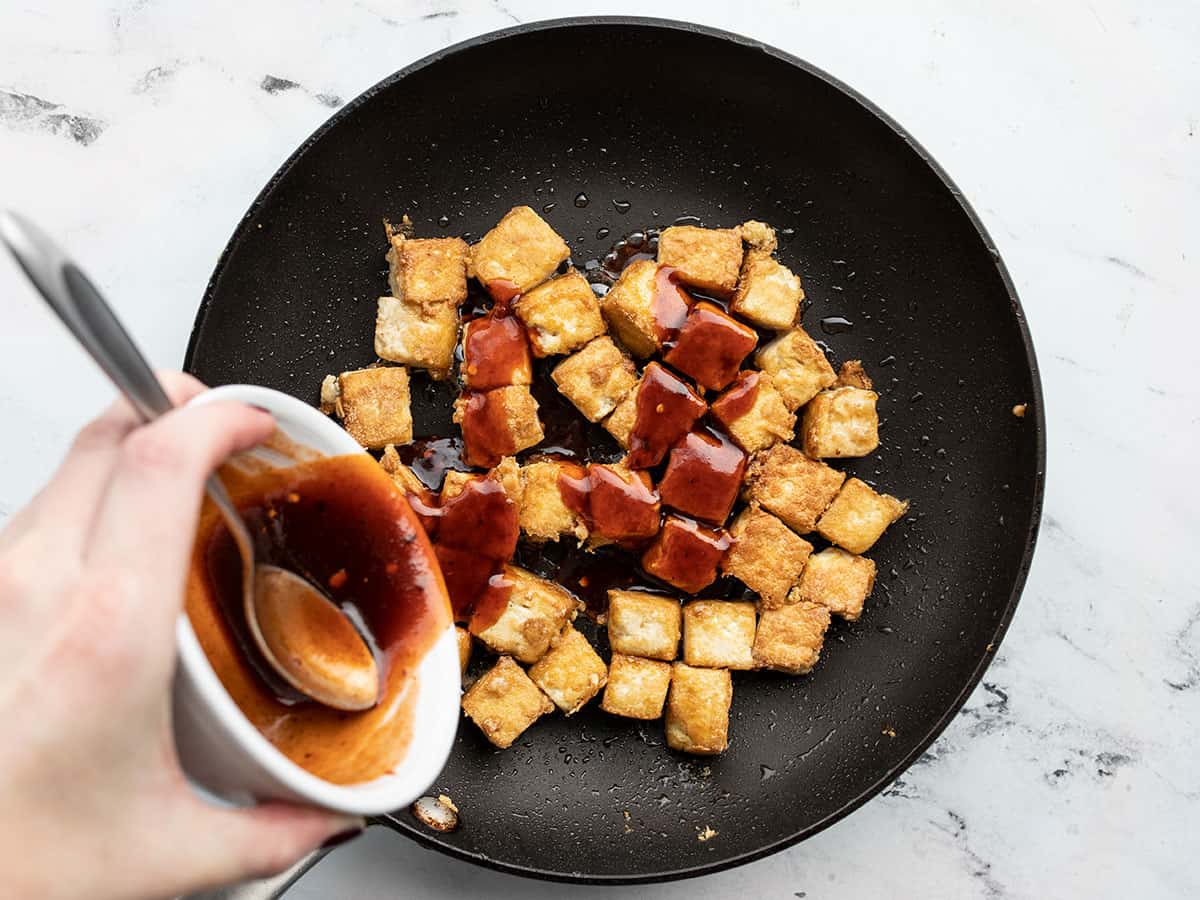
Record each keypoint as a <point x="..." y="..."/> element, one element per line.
<point x="652" y="121"/>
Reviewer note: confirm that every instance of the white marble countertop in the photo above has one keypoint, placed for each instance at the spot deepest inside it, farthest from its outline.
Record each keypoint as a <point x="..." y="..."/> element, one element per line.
<point x="141" y="130"/>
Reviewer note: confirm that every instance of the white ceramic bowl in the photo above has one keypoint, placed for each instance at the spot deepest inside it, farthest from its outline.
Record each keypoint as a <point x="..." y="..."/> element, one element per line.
<point x="226" y="755"/>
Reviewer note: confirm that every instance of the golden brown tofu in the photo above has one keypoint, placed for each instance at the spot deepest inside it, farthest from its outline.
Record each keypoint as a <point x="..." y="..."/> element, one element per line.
<point x="797" y="489"/>
<point x="497" y="423"/>
<point x="504" y="702"/>
<point x="706" y="258"/>
<point x="508" y="473"/>
<point x="841" y="423"/>
<point x="543" y="515"/>
<point x="428" y="271"/>
<point x="797" y="366"/>
<point x="759" y="236"/>
<point x="536" y="612"/>
<point x="561" y="315"/>
<point x="596" y="378"/>
<point x="768" y="293"/>
<point x="375" y="406"/>
<point x="620" y="423"/>
<point x="858" y="516"/>
<point x="789" y="638"/>
<point x="753" y="412"/>
<point x="418" y="335"/>
<point x="641" y="624"/>
<point x="852" y="374"/>
<point x="522" y="249"/>
<point x="331" y="396"/>
<point x="837" y="580"/>
<point x="455" y="482"/>
<point x="628" y="308"/>
<point x="698" y="709"/>
<point x="766" y="555"/>
<point x="572" y="673"/>
<point x="718" y="634"/>
<point x="404" y="477"/>
<point x="464" y="648"/>
<point x="637" y="688"/>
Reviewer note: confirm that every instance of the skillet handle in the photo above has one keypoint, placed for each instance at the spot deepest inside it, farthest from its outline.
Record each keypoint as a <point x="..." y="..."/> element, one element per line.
<point x="267" y="888"/>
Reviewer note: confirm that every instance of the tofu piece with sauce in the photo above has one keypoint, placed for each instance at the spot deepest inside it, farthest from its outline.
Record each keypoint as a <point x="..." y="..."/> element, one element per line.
<point x="858" y="516"/>
<point x="637" y="687"/>
<point x="754" y="413"/>
<point x="571" y="674"/>
<point x="596" y="378"/>
<point x="522" y="249"/>
<point x="427" y="271"/>
<point x="789" y="638"/>
<point x="840" y="423"/>
<point x="711" y="346"/>
<point x="766" y="555"/>
<point x="415" y="334"/>
<point x="686" y="554"/>
<point x="536" y="612"/>
<point x="497" y="423"/>
<point x="375" y="406"/>
<point x="718" y="634"/>
<point x="628" y="308"/>
<point x="641" y="624"/>
<point x="768" y="292"/>
<point x="543" y="515"/>
<point x="792" y="486"/>
<point x="837" y="580"/>
<point x="504" y="702"/>
<point x="698" y="704"/>
<point x="798" y="368"/>
<point x="561" y="315"/>
<point x="708" y="259"/>
<point x="403" y="476"/>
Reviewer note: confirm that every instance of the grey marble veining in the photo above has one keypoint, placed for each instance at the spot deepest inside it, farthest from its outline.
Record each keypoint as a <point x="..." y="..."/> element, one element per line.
<point x="140" y="130"/>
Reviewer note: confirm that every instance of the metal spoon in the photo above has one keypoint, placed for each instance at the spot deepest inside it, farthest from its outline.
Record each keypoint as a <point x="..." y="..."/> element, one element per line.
<point x="302" y="634"/>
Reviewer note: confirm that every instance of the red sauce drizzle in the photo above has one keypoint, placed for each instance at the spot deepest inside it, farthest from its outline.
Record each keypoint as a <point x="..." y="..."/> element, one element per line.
<point x="666" y="410"/>
<point x="622" y="507"/>
<point x="686" y="554"/>
<point x="495" y="352"/>
<point x="710" y="346"/>
<point x="703" y="475"/>
<point x="504" y="292"/>
<point x="671" y="304"/>
<point x="738" y="400"/>
<point x="486" y="434"/>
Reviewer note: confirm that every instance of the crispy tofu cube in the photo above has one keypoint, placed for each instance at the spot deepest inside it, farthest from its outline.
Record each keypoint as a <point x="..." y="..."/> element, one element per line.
<point x="852" y="374"/>
<point x="621" y="505"/>
<point x="375" y="406"/>
<point x="686" y="554"/>
<point x="504" y="702"/>
<point x="789" y="638"/>
<point x="561" y="315"/>
<point x="759" y="236"/>
<point x="768" y="293"/>
<point x="543" y="514"/>
<point x="718" y="634"/>
<point x="428" y="270"/>
<point x="785" y="482"/>
<point x="667" y="408"/>
<point x="404" y="477"/>
<point x="837" y="580"/>
<point x="704" y="473"/>
<point x="620" y="423"/>
<point x="858" y="516"/>
<point x="419" y="335"/>
<point x="628" y="308"/>
<point x="495" y="353"/>
<point x="572" y="673"/>
<point x="698" y="709"/>
<point x="710" y="346"/>
<point x="797" y="366"/>
<point x="596" y="378"/>
<point x="497" y="423"/>
<point x="766" y="556"/>
<point x="637" y="688"/>
<point x="331" y="395"/>
<point x="455" y="482"/>
<point x="840" y="423"/>
<point x="508" y="473"/>
<point x="706" y="258"/>
<point x="464" y="648"/>
<point x="641" y="624"/>
<point x="536" y="612"/>
<point x="522" y="250"/>
<point x="754" y="413"/>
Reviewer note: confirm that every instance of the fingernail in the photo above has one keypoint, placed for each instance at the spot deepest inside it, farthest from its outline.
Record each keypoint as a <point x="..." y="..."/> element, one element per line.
<point x="342" y="837"/>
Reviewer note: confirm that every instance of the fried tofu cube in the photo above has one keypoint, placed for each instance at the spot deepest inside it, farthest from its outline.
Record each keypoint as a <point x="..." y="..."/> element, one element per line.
<point x="768" y="293"/>
<point x="641" y="624"/>
<point x="596" y="378"/>
<point x="837" y="580"/>
<point x="561" y="315"/>
<point x="686" y="554"/>
<point x="455" y="482"/>
<point x="621" y="504"/>
<point x="504" y="702"/>
<point x="543" y="514"/>
<point x="375" y="406"/>
<point x="403" y="476"/>
<point x="706" y="258"/>
<point x="759" y="236"/>
<point x="852" y="374"/>
<point x="495" y="353"/>
<point x="797" y="366"/>
<point x="841" y="423"/>
<point x="464" y="648"/>
<point x="522" y="249"/>
<point x="428" y="270"/>
<point x="754" y="413"/>
<point x="698" y="709"/>
<point x="622" y="419"/>
<point x="703" y="475"/>
<point x="710" y="346"/>
<point x="331" y="395"/>
<point x="858" y="516"/>
<point x="537" y="610"/>
<point x="508" y="473"/>
<point x="415" y="334"/>
<point x="497" y="423"/>
<point x="628" y="308"/>
<point x="797" y="489"/>
<point x="572" y="673"/>
<point x="789" y="638"/>
<point x="766" y="556"/>
<point x="637" y="688"/>
<point x="718" y="634"/>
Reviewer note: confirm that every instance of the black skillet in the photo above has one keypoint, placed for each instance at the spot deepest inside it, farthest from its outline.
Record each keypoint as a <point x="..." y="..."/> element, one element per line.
<point x="650" y="121"/>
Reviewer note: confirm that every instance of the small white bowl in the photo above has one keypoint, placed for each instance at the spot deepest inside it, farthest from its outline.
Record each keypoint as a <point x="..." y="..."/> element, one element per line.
<point x="227" y="755"/>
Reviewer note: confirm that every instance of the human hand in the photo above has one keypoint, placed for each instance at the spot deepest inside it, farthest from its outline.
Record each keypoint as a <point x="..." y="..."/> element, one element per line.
<point x="93" y="802"/>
